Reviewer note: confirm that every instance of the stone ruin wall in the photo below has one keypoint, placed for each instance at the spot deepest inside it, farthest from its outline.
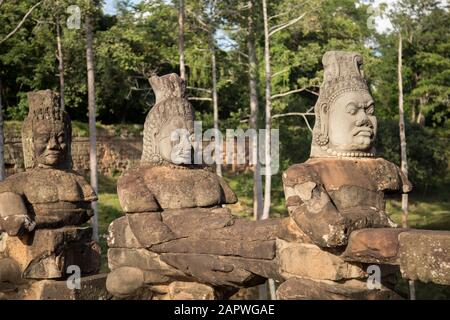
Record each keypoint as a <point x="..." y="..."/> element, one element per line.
<point x="115" y="154"/>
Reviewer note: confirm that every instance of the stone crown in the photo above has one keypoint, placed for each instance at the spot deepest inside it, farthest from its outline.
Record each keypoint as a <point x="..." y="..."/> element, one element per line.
<point x="342" y="73"/>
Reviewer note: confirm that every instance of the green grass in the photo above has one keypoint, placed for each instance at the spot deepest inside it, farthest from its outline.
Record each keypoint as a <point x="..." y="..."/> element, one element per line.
<point x="109" y="209"/>
<point x="425" y="211"/>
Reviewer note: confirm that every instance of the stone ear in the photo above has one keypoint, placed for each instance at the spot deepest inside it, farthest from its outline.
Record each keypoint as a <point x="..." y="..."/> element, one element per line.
<point x="322" y="138"/>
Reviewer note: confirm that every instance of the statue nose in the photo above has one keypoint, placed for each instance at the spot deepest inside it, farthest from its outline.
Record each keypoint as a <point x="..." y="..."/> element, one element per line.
<point x="52" y="143"/>
<point x="363" y="120"/>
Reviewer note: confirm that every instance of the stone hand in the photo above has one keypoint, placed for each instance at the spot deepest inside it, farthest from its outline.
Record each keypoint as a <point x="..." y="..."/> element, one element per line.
<point x="17" y="225"/>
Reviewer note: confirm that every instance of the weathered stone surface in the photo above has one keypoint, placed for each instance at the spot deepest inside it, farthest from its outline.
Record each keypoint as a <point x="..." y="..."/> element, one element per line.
<point x="242" y="229"/>
<point x="190" y="291"/>
<point x="425" y="255"/>
<point x="308" y="289"/>
<point x="190" y="221"/>
<point x="92" y="288"/>
<point x="246" y="249"/>
<point x="124" y="281"/>
<point x="45" y="254"/>
<point x="308" y="260"/>
<point x="145" y="260"/>
<point x="139" y="230"/>
<point x="142" y="189"/>
<point x="378" y="245"/>
<point x="16" y="225"/>
<point x="214" y="270"/>
<point x="44" y="188"/>
<point x="344" y="195"/>
<point x="289" y="231"/>
<point x="120" y="235"/>
<point x="10" y="274"/>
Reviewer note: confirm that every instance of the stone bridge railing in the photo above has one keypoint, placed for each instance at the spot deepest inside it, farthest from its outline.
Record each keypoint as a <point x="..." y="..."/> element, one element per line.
<point x="198" y="254"/>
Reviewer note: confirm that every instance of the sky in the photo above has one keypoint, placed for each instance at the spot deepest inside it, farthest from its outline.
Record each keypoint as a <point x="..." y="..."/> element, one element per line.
<point x="381" y="24"/>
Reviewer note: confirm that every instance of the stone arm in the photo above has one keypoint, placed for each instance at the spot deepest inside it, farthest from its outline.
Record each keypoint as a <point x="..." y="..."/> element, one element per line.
<point x="14" y="218"/>
<point x="228" y="195"/>
<point x="134" y="195"/>
<point x="312" y="209"/>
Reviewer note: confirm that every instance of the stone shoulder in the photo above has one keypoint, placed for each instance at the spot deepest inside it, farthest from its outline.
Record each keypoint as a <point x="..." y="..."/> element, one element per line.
<point x="300" y="173"/>
<point x="56" y="185"/>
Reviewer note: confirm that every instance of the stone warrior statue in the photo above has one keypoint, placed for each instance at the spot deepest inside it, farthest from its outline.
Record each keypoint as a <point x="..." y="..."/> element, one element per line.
<point x="176" y="241"/>
<point x="41" y="208"/>
<point x="342" y="186"/>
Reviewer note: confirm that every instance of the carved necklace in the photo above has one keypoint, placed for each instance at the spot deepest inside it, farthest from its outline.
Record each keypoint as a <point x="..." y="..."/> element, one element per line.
<point x="357" y="154"/>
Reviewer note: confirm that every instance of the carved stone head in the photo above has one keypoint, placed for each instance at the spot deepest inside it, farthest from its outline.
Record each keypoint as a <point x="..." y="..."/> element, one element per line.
<point x="46" y="132"/>
<point x="345" y="122"/>
<point x="169" y="125"/>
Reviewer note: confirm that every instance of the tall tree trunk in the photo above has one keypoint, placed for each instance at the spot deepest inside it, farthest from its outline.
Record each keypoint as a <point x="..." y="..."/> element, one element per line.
<point x="413" y="112"/>
<point x="60" y="63"/>
<point x="2" y="140"/>
<point x="268" y="173"/>
<point x="404" y="160"/>
<point x="92" y="111"/>
<point x="215" y="99"/>
<point x="268" y="127"/>
<point x="252" y="63"/>
<point x="420" y="117"/>
<point x="181" y="39"/>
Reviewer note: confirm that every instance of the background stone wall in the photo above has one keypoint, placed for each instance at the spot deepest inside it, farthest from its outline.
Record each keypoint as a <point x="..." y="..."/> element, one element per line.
<point x="118" y="149"/>
<point x="115" y="153"/>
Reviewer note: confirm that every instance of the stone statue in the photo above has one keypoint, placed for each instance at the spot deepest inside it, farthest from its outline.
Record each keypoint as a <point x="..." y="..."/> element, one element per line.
<point x="176" y="241"/>
<point x="342" y="186"/>
<point x="166" y="179"/>
<point x="42" y="208"/>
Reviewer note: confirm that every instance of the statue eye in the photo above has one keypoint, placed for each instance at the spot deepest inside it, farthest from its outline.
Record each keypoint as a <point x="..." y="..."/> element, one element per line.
<point x="351" y="108"/>
<point x="61" y="138"/>
<point x="42" y="139"/>
<point x="370" y="109"/>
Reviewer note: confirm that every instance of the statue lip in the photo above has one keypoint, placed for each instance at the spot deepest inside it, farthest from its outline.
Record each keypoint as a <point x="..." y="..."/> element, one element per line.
<point x="184" y="155"/>
<point x="52" y="154"/>
<point x="363" y="131"/>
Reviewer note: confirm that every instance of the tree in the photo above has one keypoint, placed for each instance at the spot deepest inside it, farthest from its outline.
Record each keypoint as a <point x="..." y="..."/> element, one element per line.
<point x="2" y="137"/>
<point x="254" y="110"/>
<point x="181" y="39"/>
<point x="404" y="162"/>
<point x="268" y="114"/>
<point x="92" y="114"/>
<point x="60" y="58"/>
<point x="208" y="19"/>
<point x="19" y="25"/>
<point x="425" y="58"/>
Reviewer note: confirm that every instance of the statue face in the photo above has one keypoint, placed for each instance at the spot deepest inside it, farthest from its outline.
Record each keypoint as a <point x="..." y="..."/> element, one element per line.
<point x="175" y="141"/>
<point x="50" y="144"/>
<point x="352" y="123"/>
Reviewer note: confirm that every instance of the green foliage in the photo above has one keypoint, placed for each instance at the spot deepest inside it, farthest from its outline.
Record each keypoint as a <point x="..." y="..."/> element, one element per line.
<point x="427" y="153"/>
<point x="141" y="40"/>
